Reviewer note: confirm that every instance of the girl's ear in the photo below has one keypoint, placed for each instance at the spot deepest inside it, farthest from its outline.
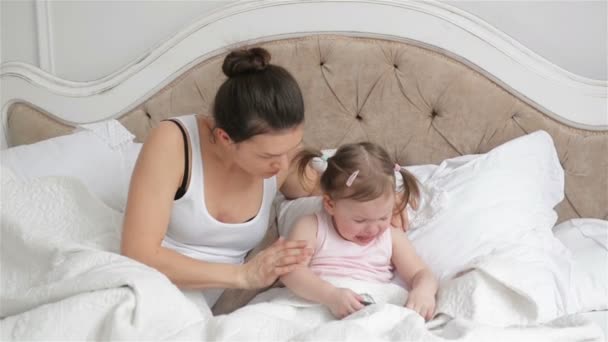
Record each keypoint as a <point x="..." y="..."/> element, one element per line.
<point x="329" y="204"/>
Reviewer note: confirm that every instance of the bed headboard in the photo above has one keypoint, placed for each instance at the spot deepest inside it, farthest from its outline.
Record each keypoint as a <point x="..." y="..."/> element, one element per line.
<point x="423" y="79"/>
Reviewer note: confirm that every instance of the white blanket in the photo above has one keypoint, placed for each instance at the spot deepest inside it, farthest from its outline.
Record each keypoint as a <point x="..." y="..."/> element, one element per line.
<point x="62" y="278"/>
<point x="482" y="304"/>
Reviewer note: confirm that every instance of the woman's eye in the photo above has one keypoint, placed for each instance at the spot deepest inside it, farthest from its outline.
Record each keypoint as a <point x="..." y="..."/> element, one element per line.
<point x="359" y="221"/>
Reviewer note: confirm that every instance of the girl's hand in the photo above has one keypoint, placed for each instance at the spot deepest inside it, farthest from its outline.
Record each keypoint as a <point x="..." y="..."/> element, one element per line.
<point x="422" y="301"/>
<point x="343" y="302"/>
<point x="279" y="259"/>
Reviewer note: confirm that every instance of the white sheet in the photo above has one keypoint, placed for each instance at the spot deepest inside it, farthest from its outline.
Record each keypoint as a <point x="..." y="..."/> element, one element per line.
<point x="278" y="315"/>
<point x="61" y="277"/>
<point x="587" y="239"/>
<point x="600" y="318"/>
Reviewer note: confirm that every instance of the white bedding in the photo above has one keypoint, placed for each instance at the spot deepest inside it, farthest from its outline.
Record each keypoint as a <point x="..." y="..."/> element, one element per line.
<point x="61" y="278"/>
<point x="277" y="315"/>
<point x="600" y="318"/>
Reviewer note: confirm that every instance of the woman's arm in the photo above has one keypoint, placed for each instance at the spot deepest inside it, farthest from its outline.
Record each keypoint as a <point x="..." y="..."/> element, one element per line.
<point x="423" y="284"/>
<point x="157" y="174"/>
<point x="304" y="283"/>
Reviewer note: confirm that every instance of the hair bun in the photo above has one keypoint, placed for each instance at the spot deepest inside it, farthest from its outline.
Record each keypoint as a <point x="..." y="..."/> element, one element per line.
<point x="245" y="61"/>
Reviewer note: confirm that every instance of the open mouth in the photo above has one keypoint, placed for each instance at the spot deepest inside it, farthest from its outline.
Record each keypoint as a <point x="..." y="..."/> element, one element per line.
<point x="364" y="239"/>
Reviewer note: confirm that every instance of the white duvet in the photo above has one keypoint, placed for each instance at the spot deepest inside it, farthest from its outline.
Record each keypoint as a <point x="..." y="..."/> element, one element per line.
<point x="479" y="305"/>
<point x="61" y="278"/>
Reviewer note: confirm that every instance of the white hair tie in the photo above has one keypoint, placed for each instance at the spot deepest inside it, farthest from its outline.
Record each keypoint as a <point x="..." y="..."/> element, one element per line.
<point x="318" y="164"/>
<point x="399" y="184"/>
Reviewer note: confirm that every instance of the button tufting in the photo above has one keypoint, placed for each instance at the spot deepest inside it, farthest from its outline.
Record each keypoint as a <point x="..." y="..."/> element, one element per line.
<point x="395" y="66"/>
<point x="359" y="117"/>
<point x="434" y="114"/>
<point x="148" y="115"/>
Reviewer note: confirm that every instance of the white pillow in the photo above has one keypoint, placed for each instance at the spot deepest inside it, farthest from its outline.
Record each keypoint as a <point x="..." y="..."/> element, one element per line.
<point x="493" y="201"/>
<point x="587" y="239"/>
<point x="101" y="155"/>
<point x="489" y="201"/>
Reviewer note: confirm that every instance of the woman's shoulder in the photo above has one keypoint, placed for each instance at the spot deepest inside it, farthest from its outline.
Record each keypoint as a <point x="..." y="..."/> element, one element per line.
<point x="168" y="133"/>
<point x="161" y="148"/>
<point x="166" y="136"/>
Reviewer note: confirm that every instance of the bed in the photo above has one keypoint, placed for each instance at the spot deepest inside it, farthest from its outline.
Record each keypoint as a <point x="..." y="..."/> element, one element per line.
<point x="456" y="85"/>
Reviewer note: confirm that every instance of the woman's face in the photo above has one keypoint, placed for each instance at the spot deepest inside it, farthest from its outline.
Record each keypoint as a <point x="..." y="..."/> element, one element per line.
<point x="268" y="154"/>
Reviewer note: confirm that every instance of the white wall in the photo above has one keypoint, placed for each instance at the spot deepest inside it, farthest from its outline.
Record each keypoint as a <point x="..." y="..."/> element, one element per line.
<point x="114" y="33"/>
<point x="572" y="34"/>
<point x="18" y="31"/>
<point x="91" y="39"/>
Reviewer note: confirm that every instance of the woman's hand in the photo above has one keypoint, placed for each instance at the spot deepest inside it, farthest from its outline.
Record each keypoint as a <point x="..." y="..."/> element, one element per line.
<point x="343" y="302"/>
<point x="422" y="301"/>
<point x="279" y="259"/>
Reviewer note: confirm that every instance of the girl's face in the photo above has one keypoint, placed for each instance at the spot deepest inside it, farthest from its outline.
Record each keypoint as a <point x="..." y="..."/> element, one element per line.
<point x="268" y="154"/>
<point x="361" y="222"/>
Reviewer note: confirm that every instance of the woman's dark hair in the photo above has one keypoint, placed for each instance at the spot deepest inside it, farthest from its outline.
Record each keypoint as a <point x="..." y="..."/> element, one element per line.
<point x="376" y="174"/>
<point x="258" y="97"/>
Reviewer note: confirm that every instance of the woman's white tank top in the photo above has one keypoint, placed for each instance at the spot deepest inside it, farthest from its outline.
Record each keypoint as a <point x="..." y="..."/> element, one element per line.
<point x="194" y="232"/>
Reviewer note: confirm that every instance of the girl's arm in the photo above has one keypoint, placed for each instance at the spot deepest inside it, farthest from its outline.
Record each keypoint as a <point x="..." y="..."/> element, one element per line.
<point x="304" y="283"/>
<point x="423" y="284"/>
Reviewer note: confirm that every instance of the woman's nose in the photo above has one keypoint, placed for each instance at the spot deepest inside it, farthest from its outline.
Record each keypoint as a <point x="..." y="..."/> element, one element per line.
<point x="282" y="163"/>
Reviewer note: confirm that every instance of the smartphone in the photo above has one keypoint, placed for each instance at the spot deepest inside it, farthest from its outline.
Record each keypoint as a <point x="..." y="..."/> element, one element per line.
<point x="367" y="299"/>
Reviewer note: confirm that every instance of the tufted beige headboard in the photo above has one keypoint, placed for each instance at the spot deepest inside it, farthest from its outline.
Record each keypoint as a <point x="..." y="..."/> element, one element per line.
<point x="422" y="105"/>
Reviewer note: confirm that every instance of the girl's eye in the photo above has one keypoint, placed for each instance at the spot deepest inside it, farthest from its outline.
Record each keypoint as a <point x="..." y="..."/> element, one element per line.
<point x="359" y="221"/>
<point x="384" y="218"/>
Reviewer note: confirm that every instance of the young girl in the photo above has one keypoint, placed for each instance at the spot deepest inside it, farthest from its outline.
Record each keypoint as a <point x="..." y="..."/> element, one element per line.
<point x="352" y="236"/>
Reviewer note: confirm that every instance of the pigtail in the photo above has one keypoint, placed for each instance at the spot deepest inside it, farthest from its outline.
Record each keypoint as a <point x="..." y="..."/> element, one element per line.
<point x="411" y="190"/>
<point x="304" y="157"/>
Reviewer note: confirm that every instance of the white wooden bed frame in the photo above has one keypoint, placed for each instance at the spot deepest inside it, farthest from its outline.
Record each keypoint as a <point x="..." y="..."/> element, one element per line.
<point x="575" y="100"/>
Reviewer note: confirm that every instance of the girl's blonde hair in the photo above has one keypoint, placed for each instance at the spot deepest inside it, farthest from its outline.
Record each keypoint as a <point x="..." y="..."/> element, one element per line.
<point x="376" y="175"/>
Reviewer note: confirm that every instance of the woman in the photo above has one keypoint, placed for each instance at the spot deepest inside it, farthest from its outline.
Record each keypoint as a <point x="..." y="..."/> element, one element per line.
<point x="202" y="188"/>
